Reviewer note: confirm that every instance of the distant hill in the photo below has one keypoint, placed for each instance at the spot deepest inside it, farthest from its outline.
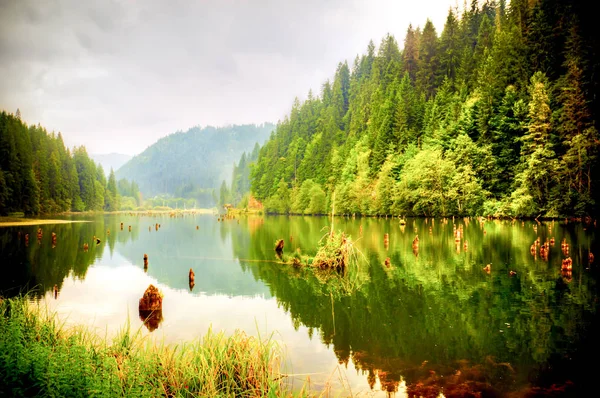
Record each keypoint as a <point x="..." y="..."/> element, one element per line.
<point x="108" y="160"/>
<point x="184" y="163"/>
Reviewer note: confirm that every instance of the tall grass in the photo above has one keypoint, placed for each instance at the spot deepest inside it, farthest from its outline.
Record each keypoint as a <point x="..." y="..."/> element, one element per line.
<point x="39" y="356"/>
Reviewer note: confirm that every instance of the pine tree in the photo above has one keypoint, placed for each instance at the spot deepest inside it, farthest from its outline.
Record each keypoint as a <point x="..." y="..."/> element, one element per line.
<point x="538" y="161"/>
<point x="578" y="134"/>
<point x="428" y="64"/>
<point x="224" y="195"/>
<point x="112" y="194"/>
<point x="410" y="53"/>
<point x="450" y="50"/>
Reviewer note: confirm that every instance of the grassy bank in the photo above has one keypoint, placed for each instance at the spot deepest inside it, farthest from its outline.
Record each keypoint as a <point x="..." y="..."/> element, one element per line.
<point x="39" y="356"/>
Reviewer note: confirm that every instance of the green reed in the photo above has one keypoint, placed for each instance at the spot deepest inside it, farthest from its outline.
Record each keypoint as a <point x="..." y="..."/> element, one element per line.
<point x="40" y="356"/>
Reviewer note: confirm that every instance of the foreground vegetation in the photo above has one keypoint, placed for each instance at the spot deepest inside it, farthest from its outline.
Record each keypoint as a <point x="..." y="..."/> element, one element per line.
<point x="39" y="356"/>
<point x="496" y="116"/>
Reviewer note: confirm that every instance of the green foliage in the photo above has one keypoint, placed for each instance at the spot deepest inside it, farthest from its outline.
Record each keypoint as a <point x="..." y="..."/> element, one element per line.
<point x="127" y="203"/>
<point x="38" y="174"/>
<point x="303" y="197"/>
<point x="425" y="181"/>
<point x="505" y="100"/>
<point x="318" y="201"/>
<point x="280" y="201"/>
<point x="112" y="195"/>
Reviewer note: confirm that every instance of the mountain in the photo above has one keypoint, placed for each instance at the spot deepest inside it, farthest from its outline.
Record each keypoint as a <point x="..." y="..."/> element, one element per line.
<point x="108" y="160"/>
<point x="185" y="163"/>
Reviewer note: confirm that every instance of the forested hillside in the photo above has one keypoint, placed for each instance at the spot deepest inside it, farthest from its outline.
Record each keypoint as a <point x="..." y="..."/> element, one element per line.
<point x="38" y="174"/>
<point x="193" y="164"/>
<point x="497" y="115"/>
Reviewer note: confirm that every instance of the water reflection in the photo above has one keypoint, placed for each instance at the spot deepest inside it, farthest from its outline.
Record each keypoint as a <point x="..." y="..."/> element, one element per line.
<point x="60" y="250"/>
<point x="464" y="306"/>
<point x="442" y="320"/>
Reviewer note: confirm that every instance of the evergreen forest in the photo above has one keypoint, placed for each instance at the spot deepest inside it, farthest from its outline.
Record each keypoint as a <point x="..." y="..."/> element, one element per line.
<point x="494" y="116"/>
<point x="39" y="175"/>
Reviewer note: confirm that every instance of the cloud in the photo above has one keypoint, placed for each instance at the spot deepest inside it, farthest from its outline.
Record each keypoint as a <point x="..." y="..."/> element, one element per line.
<point x="129" y="72"/>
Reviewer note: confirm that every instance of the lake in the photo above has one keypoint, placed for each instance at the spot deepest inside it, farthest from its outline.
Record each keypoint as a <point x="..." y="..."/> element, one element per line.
<point x="423" y="320"/>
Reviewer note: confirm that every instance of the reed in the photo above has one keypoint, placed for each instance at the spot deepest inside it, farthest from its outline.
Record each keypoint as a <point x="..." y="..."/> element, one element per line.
<point x="40" y="356"/>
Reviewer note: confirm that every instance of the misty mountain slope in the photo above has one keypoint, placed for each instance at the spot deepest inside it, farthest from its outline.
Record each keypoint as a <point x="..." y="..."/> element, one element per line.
<point x="110" y="160"/>
<point x="200" y="158"/>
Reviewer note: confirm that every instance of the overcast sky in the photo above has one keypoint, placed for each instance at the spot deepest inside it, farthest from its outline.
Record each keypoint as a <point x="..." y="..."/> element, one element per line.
<point x="117" y="75"/>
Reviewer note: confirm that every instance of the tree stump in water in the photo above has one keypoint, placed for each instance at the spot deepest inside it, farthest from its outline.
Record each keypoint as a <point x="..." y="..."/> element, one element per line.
<point x="151" y="300"/>
<point x="279" y="245"/>
<point x="150" y="308"/>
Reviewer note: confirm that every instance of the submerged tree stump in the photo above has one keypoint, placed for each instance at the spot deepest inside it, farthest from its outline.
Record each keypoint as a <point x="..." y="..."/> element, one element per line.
<point x="150" y="308"/>
<point x="151" y="300"/>
<point x="279" y="245"/>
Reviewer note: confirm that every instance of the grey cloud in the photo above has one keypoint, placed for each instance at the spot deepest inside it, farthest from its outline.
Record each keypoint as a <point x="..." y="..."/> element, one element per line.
<point x="100" y="70"/>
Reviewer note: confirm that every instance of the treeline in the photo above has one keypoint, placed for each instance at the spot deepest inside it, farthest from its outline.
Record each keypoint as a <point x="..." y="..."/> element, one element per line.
<point x="238" y="194"/>
<point x="130" y="197"/>
<point x="39" y="175"/>
<point x="495" y="116"/>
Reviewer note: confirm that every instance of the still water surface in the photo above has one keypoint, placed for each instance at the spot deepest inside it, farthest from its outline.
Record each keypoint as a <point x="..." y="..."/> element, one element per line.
<point x="432" y="321"/>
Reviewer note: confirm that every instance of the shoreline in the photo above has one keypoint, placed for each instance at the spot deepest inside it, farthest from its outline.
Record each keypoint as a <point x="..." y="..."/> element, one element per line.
<point x="11" y="221"/>
<point x="16" y="222"/>
<point x="193" y="211"/>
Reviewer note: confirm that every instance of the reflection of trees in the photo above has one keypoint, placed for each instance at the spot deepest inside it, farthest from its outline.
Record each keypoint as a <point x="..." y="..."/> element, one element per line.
<point x="38" y="267"/>
<point x="438" y="320"/>
<point x="178" y="246"/>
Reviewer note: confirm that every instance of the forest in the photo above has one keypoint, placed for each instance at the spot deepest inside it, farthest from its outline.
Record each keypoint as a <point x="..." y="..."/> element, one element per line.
<point x="238" y="193"/>
<point x="495" y="116"/>
<point x="39" y="175"/>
